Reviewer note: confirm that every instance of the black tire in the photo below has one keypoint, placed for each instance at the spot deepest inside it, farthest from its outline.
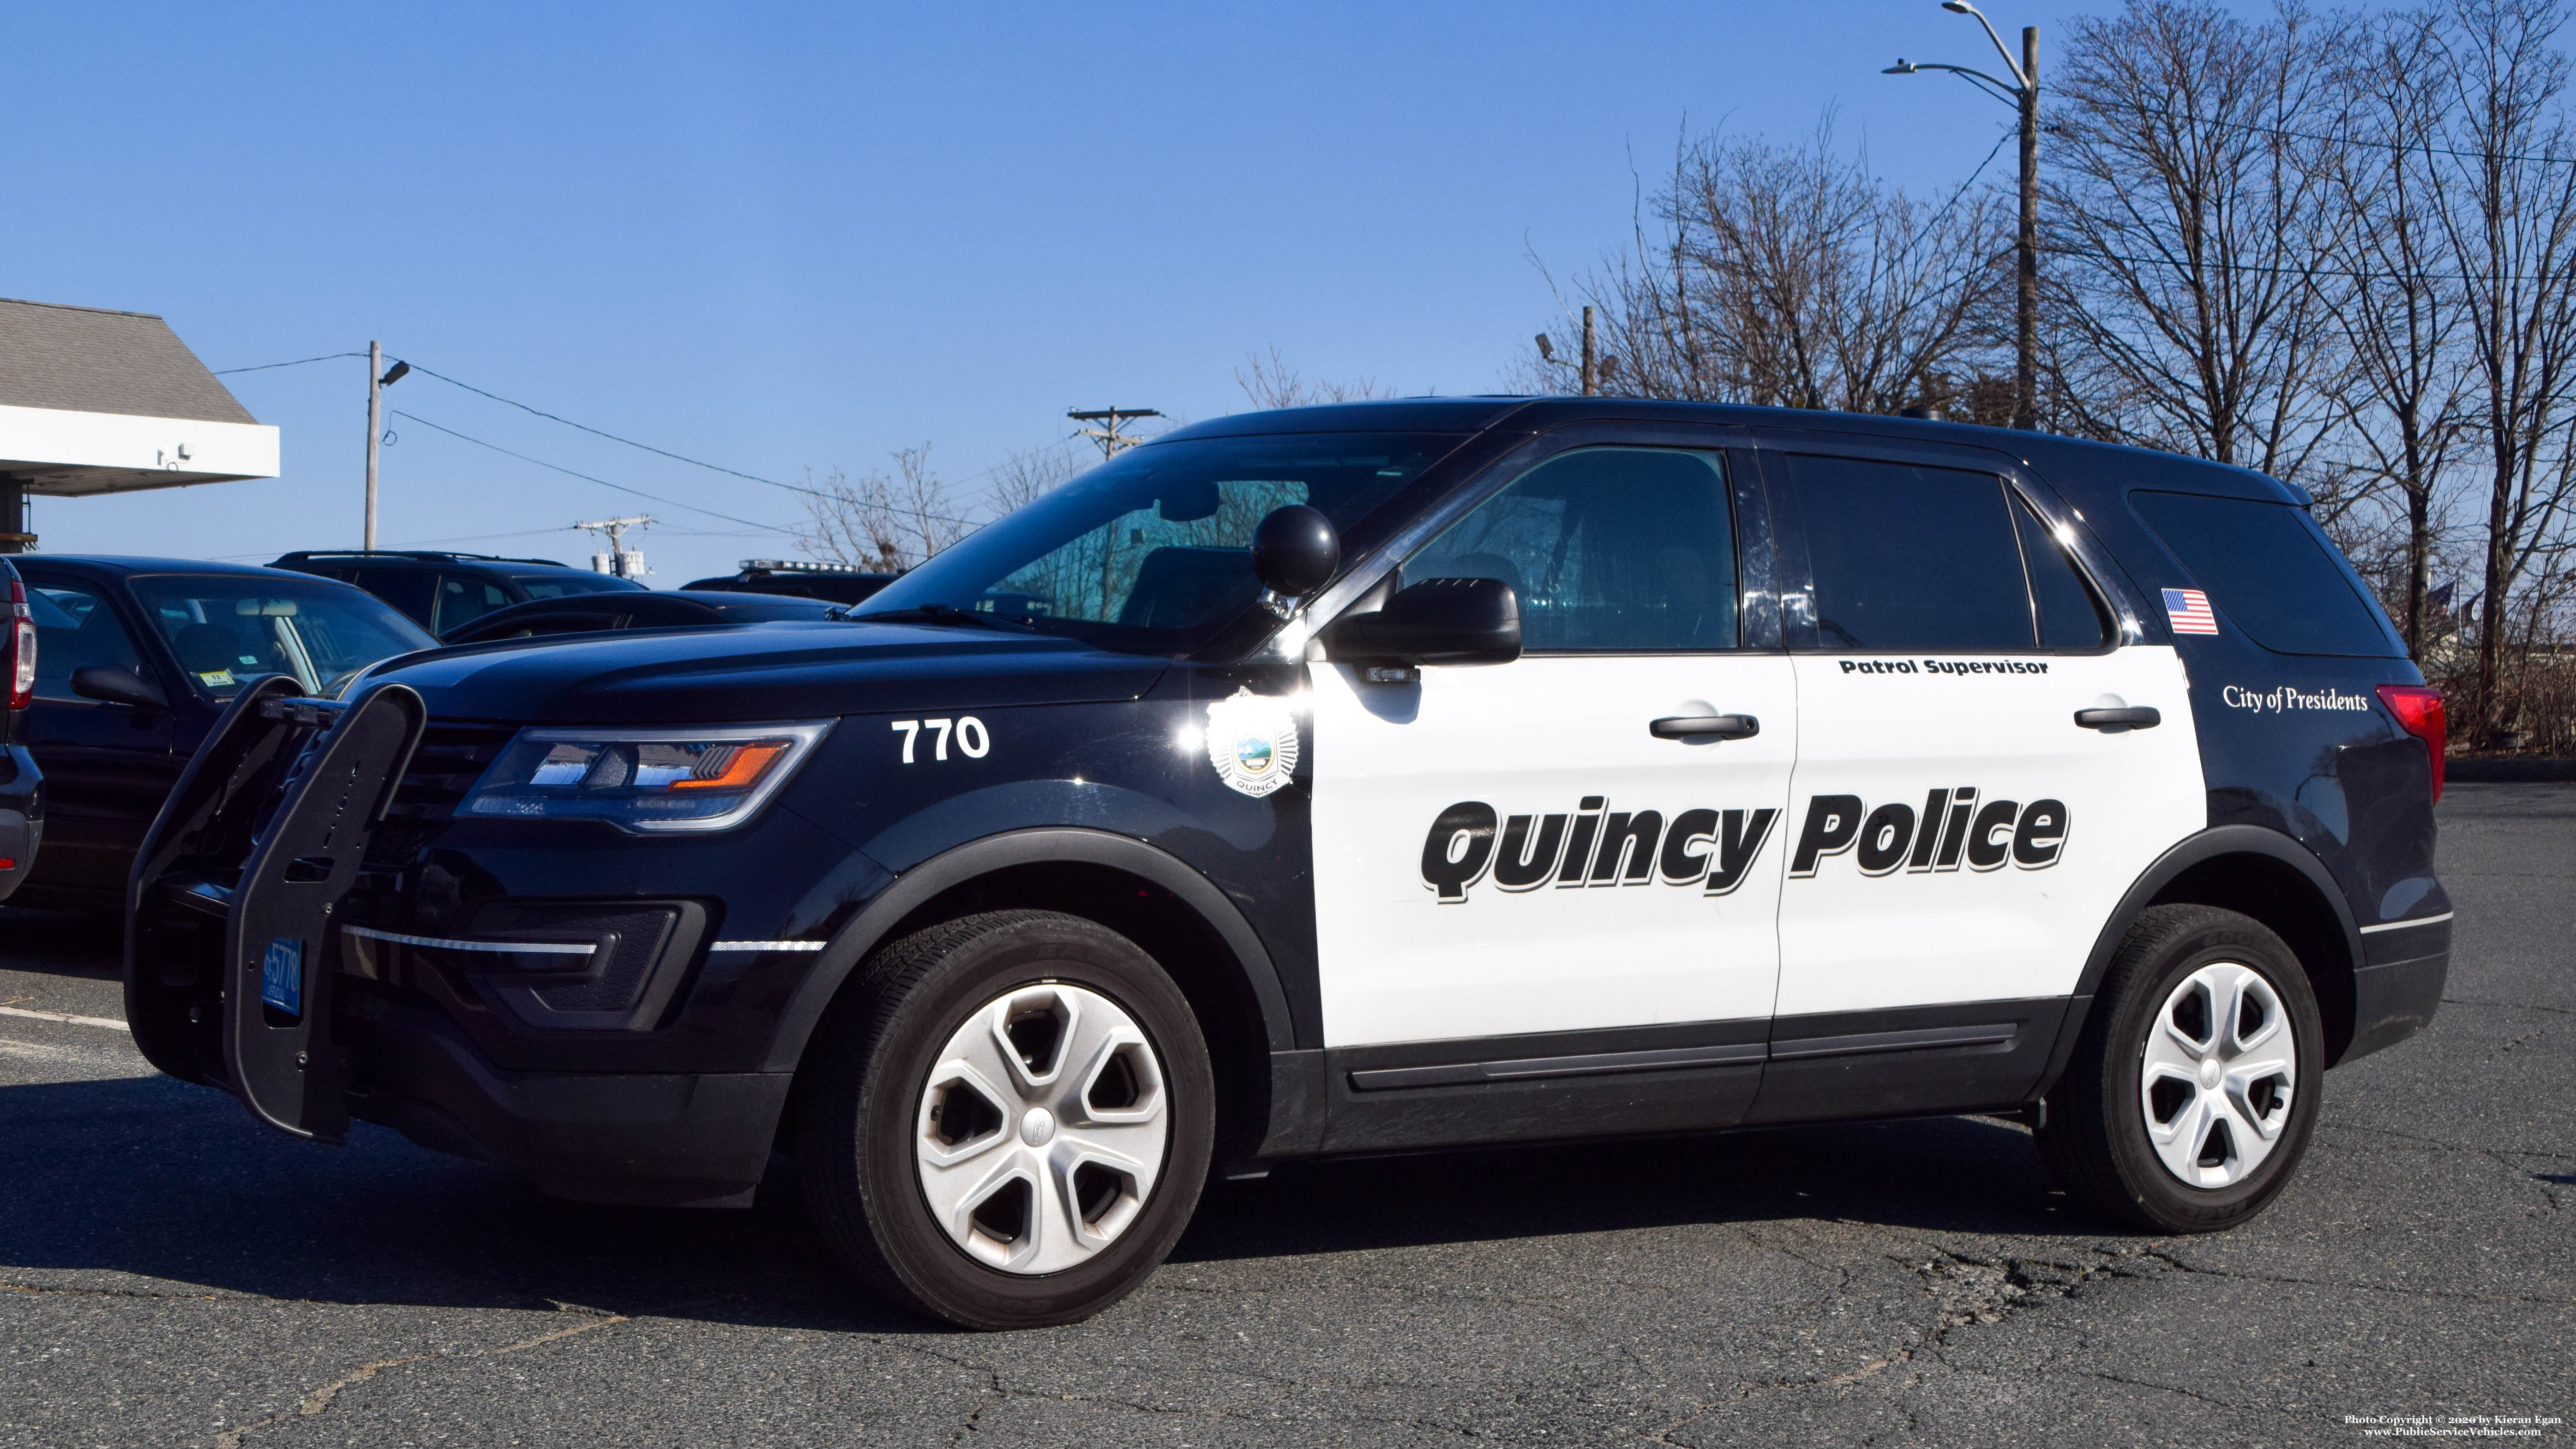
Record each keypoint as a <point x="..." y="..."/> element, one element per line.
<point x="2093" y="1133"/>
<point x="860" y="1091"/>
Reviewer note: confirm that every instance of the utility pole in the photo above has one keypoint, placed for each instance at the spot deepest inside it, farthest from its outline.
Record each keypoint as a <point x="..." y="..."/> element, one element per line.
<point x="1112" y="442"/>
<point x="2021" y="93"/>
<point x="378" y="379"/>
<point x="621" y="563"/>
<point x="1591" y="358"/>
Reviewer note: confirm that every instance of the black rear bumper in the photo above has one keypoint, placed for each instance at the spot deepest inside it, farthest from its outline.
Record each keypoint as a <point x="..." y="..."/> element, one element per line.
<point x="2398" y="987"/>
<point x="22" y="816"/>
<point x="664" y="1139"/>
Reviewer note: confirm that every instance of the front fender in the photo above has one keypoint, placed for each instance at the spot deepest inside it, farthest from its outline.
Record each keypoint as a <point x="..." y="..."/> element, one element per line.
<point x="963" y="863"/>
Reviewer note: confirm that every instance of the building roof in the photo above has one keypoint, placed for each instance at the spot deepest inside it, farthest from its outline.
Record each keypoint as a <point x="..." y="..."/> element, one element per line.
<point x="88" y="359"/>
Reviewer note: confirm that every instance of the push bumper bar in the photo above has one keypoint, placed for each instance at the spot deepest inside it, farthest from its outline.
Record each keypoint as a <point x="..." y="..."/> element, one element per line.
<point x="268" y="881"/>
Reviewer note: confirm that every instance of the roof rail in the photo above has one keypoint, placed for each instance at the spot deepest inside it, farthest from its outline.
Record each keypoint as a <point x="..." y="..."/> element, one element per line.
<point x="303" y="554"/>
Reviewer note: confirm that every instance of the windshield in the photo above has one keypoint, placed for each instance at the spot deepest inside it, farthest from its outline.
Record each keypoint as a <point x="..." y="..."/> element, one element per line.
<point x="230" y="629"/>
<point x="571" y="581"/>
<point x="1151" y="553"/>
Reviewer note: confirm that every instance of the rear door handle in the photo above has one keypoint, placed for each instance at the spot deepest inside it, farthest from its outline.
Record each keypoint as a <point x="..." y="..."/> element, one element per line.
<point x="2135" y="717"/>
<point x="1706" y="726"/>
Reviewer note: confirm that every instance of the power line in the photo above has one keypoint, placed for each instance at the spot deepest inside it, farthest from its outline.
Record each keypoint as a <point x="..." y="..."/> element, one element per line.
<point x="585" y="477"/>
<point x="2544" y="158"/>
<point x="612" y="437"/>
<point x="299" y="362"/>
<point x="666" y="453"/>
<point x="2224" y="266"/>
<point x="629" y="442"/>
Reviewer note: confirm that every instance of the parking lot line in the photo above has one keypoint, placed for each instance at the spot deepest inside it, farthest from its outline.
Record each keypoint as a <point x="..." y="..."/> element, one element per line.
<point x="109" y="1022"/>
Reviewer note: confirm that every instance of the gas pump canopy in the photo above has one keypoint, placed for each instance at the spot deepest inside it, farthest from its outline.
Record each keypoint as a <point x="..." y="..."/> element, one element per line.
<point x="93" y="401"/>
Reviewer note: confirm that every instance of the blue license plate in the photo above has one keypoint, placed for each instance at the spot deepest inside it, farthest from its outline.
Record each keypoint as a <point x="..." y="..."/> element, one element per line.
<point x="281" y="975"/>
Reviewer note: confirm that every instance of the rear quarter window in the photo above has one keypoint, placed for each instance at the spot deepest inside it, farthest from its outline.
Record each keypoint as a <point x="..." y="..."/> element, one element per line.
<point x="2268" y="569"/>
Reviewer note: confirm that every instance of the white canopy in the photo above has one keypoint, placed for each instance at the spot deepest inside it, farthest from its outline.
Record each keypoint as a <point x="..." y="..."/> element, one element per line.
<point x="93" y="401"/>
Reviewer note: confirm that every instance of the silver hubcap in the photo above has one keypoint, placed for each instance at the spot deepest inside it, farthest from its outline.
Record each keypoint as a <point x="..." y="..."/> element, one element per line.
<point x="2220" y="1066"/>
<point x="1041" y="1129"/>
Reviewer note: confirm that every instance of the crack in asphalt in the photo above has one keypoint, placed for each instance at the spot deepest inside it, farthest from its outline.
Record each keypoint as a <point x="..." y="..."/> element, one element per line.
<point x="2509" y="1005"/>
<point x="1241" y="1410"/>
<point x="1995" y="1289"/>
<point x="2180" y="1266"/>
<point x="2446" y="1146"/>
<point x="2190" y="1394"/>
<point x="68" y="1291"/>
<point x="320" y="1399"/>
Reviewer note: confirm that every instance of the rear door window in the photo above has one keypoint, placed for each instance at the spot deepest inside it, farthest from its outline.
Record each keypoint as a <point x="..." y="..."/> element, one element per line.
<point x="2269" y="569"/>
<point x="414" y="591"/>
<point x="2070" y="615"/>
<point x="1911" y="558"/>
<point x="464" y="598"/>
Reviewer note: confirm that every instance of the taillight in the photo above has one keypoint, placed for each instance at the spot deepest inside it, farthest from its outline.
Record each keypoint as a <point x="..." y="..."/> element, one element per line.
<point x="2419" y="712"/>
<point x="22" y="648"/>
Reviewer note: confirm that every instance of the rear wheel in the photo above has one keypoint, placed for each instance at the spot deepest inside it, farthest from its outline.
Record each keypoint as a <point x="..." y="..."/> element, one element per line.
<point x="2192" y="1092"/>
<point x="1007" y="1122"/>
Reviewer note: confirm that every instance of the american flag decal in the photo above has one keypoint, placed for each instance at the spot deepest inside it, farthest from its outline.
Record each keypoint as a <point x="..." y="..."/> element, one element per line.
<point x="2188" y="611"/>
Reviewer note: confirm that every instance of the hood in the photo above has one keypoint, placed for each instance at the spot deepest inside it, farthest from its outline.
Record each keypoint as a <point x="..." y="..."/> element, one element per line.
<point x="759" y="672"/>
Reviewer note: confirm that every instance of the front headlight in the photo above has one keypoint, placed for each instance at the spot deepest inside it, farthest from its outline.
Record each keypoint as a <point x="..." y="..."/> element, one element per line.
<point x="643" y="779"/>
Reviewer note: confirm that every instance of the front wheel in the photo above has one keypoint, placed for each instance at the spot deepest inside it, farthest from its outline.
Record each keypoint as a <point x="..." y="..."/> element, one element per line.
<point x="1007" y="1122"/>
<point x="2194" y="1087"/>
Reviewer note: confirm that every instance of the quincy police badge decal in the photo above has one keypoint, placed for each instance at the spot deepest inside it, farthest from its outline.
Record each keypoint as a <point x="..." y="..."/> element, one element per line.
<point x="1252" y="741"/>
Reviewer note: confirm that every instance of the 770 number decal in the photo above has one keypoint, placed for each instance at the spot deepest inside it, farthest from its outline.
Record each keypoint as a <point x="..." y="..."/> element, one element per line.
<point x="972" y="742"/>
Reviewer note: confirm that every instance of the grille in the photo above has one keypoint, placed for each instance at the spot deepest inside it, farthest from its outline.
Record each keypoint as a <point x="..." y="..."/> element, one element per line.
<point x="451" y="757"/>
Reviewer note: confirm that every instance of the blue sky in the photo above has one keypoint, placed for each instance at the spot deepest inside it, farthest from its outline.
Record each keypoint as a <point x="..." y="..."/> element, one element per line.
<point x="789" y="237"/>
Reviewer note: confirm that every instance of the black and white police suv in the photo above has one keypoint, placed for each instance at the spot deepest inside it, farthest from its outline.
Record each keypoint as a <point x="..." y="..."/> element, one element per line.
<point x="1355" y="779"/>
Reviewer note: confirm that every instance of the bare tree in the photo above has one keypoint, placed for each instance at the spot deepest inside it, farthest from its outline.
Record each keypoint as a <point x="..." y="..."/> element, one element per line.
<point x="1272" y="383"/>
<point x="881" y="523"/>
<point x="2514" y="239"/>
<point x="1790" y="276"/>
<point x="2400" y="306"/>
<point x="2191" y="244"/>
<point x="1024" y="478"/>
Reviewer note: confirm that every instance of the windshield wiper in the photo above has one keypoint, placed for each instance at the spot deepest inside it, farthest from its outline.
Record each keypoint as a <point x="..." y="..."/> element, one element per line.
<point x="934" y="614"/>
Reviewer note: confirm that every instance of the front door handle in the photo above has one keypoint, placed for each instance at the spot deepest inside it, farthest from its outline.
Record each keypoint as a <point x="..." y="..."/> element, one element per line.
<point x="1706" y="726"/>
<point x="2135" y="717"/>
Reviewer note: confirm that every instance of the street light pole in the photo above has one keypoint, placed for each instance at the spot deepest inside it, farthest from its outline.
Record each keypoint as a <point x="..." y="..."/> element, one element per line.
<point x="375" y="430"/>
<point x="379" y="377"/>
<point x="2026" y="305"/>
<point x="2022" y="93"/>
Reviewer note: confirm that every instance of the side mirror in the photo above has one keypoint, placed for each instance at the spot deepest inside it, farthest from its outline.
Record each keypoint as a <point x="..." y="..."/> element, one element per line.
<point x="1437" y="621"/>
<point x="1295" y="551"/>
<point x="112" y="685"/>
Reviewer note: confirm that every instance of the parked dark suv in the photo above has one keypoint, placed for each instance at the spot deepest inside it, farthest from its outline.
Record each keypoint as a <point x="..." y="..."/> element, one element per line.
<point x="442" y="592"/>
<point x="22" y="784"/>
<point x="136" y="659"/>
<point x="1357" y="779"/>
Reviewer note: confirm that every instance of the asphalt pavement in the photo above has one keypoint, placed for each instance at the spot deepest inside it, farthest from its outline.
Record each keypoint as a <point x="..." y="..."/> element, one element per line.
<point x="172" y="1274"/>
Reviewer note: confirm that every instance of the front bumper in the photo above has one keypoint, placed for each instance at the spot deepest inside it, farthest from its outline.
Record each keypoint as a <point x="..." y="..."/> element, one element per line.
<point x="665" y="1139"/>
